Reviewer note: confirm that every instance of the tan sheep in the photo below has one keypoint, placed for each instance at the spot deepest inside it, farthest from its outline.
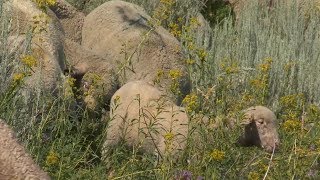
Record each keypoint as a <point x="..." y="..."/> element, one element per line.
<point x="84" y="62"/>
<point x="71" y="19"/>
<point x="260" y="129"/>
<point x="15" y="162"/>
<point x="121" y="33"/>
<point x="142" y="117"/>
<point x="47" y="43"/>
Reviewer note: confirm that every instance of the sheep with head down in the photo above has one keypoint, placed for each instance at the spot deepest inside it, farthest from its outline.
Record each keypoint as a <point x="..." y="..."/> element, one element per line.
<point x="142" y="116"/>
<point x="260" y="129"/>
<point x="15" y="162"/>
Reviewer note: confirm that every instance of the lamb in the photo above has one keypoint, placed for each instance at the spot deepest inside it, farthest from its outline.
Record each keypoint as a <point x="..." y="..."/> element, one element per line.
<point x="141" y="115"/>
<point x="260" y="129"/>
<point x="15" y="163"/>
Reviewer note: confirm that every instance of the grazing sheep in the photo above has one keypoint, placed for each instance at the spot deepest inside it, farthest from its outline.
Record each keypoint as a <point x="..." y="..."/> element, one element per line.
<point x="141" y="115"/>
<point x="121" y="32"/>
<point x="46" y="43"/>
<point x="15" y="163"/>
<point x="260" y="129"/>
<point x="84" y="62"/>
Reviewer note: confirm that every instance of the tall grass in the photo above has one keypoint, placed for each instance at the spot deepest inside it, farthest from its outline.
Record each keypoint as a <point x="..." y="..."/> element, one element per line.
<point x="288" y="37"/>
<point x="267" y="57"/>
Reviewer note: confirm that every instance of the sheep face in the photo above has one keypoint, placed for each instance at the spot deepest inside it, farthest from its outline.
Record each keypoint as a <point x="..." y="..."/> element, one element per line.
<point x="260" y="129"/>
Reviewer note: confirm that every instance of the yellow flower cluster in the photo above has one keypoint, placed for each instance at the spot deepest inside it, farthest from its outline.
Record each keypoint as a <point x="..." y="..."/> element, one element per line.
<point x="116" y="99"/>
<point x="292" y="125"/>
<point x="253" y="176"/>
<point x="229" y="68"/>
<point x="160" y="74"/>
<point x="167" y="2"/>
<point x="162" y="12"/>
<point x="190" y="61"/>
<point x="292" y="100"/>
<point x="169" y="136"/>
<point x="29" y="60"/>
<point x="191" y="102"/>
<point x="68" y="87"/>
<point x="175" y="75"/>
<point x="246" y="97"/>
<point x="95" y="82"/>
<point x="202" y="54"/>
<point x="40" y="22"/>
<point x="44" y="3"/>
<point x="175" y="30"/>
<point x="266" y="66"/>
<point x="52" y="158"/>
<point x="17" y="78"/>
<point x="292" y="105"/>
<point x="259" y="83"/>
<point x="194" y="22"/>
<point x="217" y="155"/>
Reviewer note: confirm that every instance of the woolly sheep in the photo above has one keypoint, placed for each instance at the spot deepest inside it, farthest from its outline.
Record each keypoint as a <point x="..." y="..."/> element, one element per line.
<point x="121" y="33"/>
<point x="70" y="18"/>
<point x="84" y="62"/>
<point x="47" y="45"/>
<point x="15" y="162"/>
<point x="141" y="115"/>
<point x="137" y="104"/>
<point x="260" y="129"/>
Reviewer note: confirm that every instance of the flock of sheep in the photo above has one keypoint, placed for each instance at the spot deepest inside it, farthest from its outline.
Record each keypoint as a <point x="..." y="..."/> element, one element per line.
<point x="141" y="113"/>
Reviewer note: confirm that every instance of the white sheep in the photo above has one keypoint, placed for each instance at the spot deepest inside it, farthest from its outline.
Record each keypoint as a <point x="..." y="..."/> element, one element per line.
<point x="142" y="116"/>
<point x="121" y="33"/>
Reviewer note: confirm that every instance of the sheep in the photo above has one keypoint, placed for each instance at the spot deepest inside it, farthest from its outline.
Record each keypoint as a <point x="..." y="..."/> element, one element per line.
<point x="71" y="19"/>
<point x="15" y="162"/>
<point x="84" y="62"/>
<point x="141" y="115"/>
<point x="260" y="129"/>
<point x="46" y="45"/>
<point x="121" y="33"/>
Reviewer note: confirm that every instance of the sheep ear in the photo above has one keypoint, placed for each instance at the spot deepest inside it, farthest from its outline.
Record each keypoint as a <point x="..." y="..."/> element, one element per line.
<point x="247" y="119"/>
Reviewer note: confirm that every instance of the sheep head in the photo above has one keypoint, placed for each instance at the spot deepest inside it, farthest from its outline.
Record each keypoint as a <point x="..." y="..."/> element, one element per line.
<point x="260" y="129"/>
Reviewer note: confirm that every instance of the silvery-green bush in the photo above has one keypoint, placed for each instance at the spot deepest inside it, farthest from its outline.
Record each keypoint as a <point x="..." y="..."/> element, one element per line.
<point x="286" y="34"/>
